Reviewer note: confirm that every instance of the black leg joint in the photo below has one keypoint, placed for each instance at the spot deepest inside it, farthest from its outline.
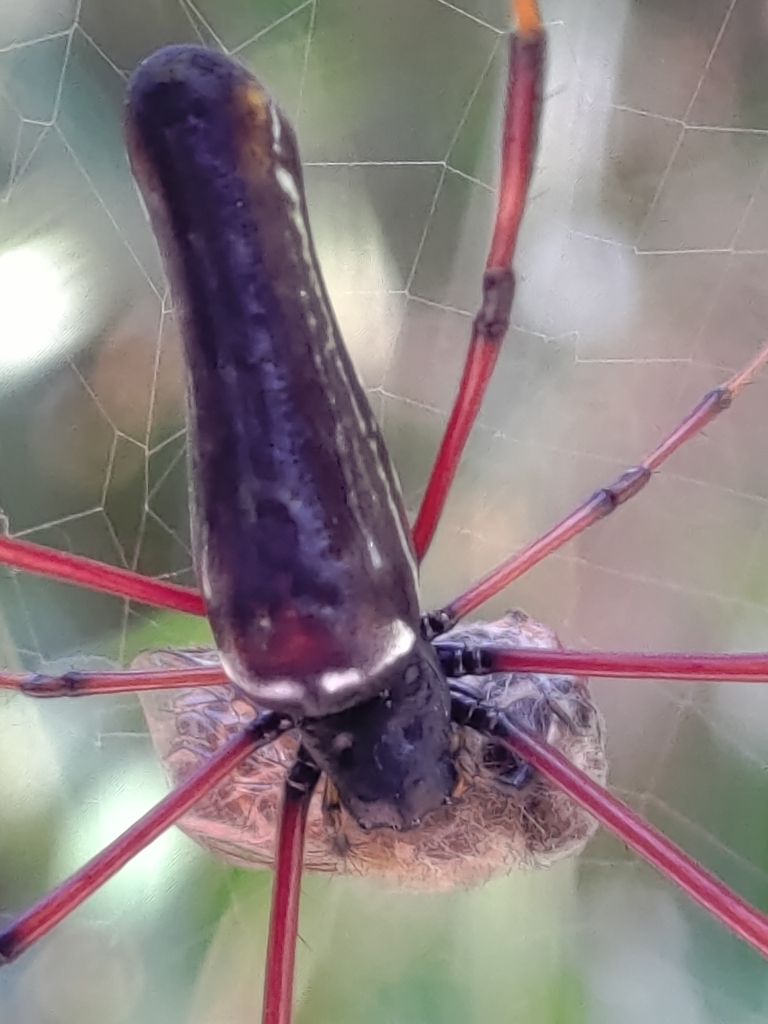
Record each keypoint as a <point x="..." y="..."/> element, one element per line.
<point x="267" y="726"/>
<point x="434" y="624"/>
<point x="304" y="775"/>
<point x="457" y="659"/>
<point x="468" y="710"/>
<point x="39" y="685"/>
<point x="492" y="321"/>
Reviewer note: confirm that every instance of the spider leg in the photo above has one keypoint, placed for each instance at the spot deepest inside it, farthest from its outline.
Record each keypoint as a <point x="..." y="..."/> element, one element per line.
<point x="87" y="684"/>
<point x="597" y="506"/>
<point x="459" y="659"/>
<point x="86" y="572"/>
<point x="535" y="715"/>
<point x="527" y="46"/>
<point x="286" y="890"/>
<point x="555" y="706"/>
<point x="723" y="903"/>
<point x="36" y="922"/>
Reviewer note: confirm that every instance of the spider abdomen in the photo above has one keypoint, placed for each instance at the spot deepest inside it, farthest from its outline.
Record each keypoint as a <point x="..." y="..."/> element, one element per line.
<point x="300" y="538"/>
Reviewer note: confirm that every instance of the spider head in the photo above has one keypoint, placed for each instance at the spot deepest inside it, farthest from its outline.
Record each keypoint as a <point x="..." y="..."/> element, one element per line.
<point x="390" y="756"/>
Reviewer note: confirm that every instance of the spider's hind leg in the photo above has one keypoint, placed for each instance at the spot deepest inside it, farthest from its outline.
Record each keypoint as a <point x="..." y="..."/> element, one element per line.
<point x="557" y="708"/>
<point x="497" y="783"/>
<point x="535" y="715"/>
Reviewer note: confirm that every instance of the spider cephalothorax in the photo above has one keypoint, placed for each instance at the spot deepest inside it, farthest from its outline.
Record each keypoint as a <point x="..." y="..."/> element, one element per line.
<point x="499" y="815"/>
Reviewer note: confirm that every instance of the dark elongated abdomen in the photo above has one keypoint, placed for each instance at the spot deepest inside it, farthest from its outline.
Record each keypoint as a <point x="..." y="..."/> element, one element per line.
<point x="300" y="537"/>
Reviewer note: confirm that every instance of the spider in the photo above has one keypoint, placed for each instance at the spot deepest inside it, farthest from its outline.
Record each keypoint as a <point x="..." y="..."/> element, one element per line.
<point x="521" y="602"/>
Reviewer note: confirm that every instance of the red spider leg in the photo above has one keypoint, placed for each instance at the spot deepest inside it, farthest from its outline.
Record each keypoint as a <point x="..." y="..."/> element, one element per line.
<point x="456" y="661"/>
<point x="706" y="890"/>
<point x="737" y="668"/>
<point x="478" y="660"/>
<point x="599" y="505"/>
<point x="87" y="684"/>
<point x="36" y="922"/>
<point x="286" y="891"/>
<point x="86" y="572"/>
<point x="527" y="46"/>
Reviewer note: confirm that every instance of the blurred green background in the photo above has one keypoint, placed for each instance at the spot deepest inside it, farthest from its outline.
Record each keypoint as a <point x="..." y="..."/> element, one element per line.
<point x="642" y="282"/>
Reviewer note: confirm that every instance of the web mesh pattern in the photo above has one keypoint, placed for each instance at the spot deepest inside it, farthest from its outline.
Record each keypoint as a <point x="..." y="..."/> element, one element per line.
<point x="642" y="274"/>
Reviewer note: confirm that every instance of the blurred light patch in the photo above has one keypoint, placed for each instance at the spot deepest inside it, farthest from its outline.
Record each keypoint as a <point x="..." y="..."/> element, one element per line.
<point x="739" y="711"/>
<point x="42" y="306"/>
<point x="20" y="23"/>
<point x="88" y="975"/>
<point x="580" y="282"/>
<point x="29" y="773"/>
<point x="360" y="273"/>
<point x="636" y="958"/>
<point x="111" y="806"/>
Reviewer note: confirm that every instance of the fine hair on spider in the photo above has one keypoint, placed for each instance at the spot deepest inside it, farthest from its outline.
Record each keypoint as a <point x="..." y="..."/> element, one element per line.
<point x="387" y="742"/>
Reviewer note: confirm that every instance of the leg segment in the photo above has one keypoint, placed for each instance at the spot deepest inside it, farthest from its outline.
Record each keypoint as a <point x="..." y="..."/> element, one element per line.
<point x="736" y="914"/>
<point x="86" y="572"/>
<point x="286" y="891"/>
<point x="521" y="122"/>
<point x="86" y="684"/>
<point x="458" y="660"/>
<point x="596" y="507"/>
<point x="53" y="908"/>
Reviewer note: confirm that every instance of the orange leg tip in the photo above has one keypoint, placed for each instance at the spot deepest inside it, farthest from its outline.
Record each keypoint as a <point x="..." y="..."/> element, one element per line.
<point x="526" y="17"/>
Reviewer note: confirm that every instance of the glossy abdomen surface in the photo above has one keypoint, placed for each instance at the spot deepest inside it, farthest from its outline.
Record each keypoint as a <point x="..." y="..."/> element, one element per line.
<point x="301" y="542"/>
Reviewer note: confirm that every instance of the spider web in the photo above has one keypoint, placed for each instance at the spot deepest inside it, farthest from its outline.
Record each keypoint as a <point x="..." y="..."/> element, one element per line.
<point x="642" y="274"/>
